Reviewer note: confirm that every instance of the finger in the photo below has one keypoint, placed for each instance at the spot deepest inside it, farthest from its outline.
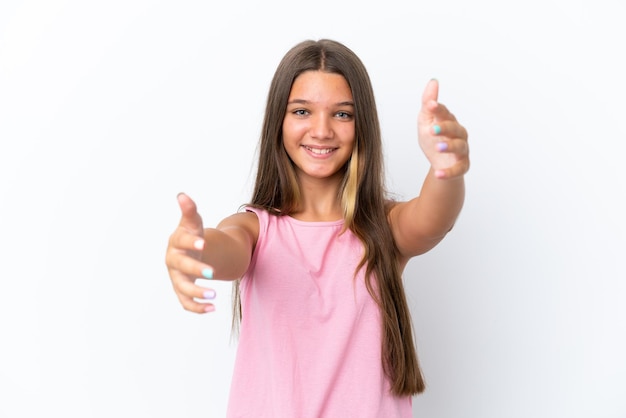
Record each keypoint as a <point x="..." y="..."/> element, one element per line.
<point x="190" y="218"/>
<point x="441" y="113"/>
<point x="192" y="305"/>
<point x="458" y="147"/>
<point x="183" y="239"/>
<point x="189" y="288"/>
<point x="429" y="103"/>
<point x="457" y="170"/>
<point x="431" y="92"/>
<point x="449" y="129"/>
<point x="179" y="262"/>
<point x="192" y="296"/>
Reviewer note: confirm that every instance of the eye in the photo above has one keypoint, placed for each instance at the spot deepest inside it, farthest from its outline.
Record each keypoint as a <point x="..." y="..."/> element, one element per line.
<point x="344" y="115"/>
<point x="300" y="112"/>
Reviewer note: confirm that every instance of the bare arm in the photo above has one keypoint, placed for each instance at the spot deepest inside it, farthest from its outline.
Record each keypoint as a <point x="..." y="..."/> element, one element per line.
<point x="421" y="223"/>
<point x="222" y="253"/>
<point x="228" y="248"/>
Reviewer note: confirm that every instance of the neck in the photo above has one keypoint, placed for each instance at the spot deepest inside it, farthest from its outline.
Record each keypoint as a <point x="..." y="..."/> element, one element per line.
<point x="320" y="200"/>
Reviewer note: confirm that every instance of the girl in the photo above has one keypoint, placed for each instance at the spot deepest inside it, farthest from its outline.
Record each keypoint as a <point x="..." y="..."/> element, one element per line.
<point x="317" y="255"/>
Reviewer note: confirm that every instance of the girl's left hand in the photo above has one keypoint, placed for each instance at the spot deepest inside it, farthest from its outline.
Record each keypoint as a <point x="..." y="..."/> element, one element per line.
<point x="442" y="138"/>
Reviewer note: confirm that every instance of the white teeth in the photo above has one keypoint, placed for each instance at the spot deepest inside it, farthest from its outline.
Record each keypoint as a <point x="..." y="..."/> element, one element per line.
<point x="320" y="151"/>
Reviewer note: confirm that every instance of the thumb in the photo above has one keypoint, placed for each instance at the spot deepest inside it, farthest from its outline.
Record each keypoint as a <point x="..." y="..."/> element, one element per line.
<point x="190" y="218"/>
<point x="429" y="100"/>
<point x="431" y="92"/>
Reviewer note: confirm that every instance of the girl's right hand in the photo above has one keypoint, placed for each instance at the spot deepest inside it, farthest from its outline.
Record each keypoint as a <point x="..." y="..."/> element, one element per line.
<point x="183" y="259"/>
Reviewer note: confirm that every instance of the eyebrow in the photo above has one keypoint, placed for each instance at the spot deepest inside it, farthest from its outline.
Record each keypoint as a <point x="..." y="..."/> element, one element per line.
<point x="303" y="101"/>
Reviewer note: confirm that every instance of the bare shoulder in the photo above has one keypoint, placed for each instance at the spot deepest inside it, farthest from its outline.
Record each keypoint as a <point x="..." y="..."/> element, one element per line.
<point x="407" y="229"/>
<point x="246" y="222"/>
<point x="392" y="208"/>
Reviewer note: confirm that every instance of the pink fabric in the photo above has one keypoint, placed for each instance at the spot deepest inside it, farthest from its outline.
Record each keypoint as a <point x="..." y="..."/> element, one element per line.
<point x="310" y="337"/>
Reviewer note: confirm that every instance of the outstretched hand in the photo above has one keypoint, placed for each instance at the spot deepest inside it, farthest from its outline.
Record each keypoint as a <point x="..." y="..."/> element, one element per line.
<point x="183" y="259"/>
<point x="442" y="138"/>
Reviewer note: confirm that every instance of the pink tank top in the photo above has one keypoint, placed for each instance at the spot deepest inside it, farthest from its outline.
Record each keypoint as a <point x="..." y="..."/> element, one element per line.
<point x="310" y="336"/>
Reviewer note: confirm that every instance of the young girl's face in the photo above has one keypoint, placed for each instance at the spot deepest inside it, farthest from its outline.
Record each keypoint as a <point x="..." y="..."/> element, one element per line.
<point x="318" y="129"/>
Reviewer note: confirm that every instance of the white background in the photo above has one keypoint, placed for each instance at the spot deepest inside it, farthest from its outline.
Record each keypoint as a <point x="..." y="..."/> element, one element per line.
<point x="109" y="109"/>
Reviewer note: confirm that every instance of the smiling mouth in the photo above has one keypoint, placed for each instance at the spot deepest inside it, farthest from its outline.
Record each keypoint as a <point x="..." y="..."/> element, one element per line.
<point x="320" y="151"/>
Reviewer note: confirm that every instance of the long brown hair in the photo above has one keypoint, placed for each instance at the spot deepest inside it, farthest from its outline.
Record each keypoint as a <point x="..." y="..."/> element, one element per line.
<point x="363" y="197"/>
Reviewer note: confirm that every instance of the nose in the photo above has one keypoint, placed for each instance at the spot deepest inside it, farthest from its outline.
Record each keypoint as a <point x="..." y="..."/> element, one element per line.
<point x="321" y="127"/>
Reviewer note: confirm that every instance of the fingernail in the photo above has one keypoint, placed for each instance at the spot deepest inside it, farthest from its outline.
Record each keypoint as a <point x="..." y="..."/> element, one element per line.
<point x="440" y="174"/>
<point x="207" y="273"/>
<point x="199" y="244"/>
<point x="442" y="146"/>
<point x="209" y="294"/>
<point x="437" y="129"/>
<point x="209" y="308"/>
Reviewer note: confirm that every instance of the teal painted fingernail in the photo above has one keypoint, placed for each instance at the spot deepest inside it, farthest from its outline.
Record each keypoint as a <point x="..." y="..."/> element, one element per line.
<point x="207" y="273"/>
<point x="437" y="129"/>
